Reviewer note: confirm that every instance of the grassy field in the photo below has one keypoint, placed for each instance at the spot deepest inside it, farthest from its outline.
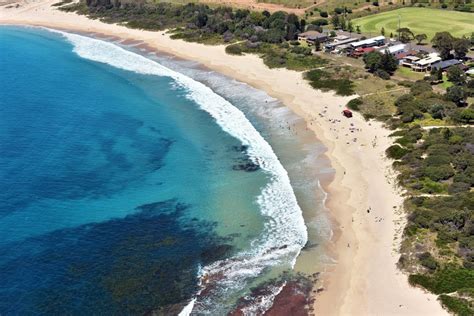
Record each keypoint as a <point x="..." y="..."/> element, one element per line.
<point x="419" y="20"/>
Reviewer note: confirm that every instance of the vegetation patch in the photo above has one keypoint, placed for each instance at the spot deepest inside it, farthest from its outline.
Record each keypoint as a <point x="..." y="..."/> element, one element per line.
<point x="323" y="80"/>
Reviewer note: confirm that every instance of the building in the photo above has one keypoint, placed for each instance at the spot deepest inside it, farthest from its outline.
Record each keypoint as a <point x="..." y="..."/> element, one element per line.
<point x="312" y="36"/>
<point x="361" y="52"/>
<point x="370" y="42"/>
<point x="333" y="45"/>
<point x="445" y="64"/>
<point x="426" y="63"/>
<point x="393" y="50"/>
<point x="408" y="61"/>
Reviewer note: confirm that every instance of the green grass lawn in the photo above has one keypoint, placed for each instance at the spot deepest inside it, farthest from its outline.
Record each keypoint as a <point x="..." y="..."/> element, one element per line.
<point x="419" y="20"/>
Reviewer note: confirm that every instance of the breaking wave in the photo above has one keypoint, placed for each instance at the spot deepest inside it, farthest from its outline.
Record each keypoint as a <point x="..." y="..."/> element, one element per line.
<point x="284" y="233"/>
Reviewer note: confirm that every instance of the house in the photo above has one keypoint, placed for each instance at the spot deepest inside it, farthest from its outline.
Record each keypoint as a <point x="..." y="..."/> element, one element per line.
<point x="370" y="42"/>
<point x="333" y="45"/>
<point x="361" y="52"/>
<point x="347" y="113"/>
<point x="426" y="63"/>
<point x="409" y="60"/>
<point x="393" y="50"/>
<point x="445" y="64"/>
<point x="312" y="36"/>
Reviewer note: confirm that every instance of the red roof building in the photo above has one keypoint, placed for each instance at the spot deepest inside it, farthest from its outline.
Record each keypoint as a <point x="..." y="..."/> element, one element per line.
<point x="362" y="51"/>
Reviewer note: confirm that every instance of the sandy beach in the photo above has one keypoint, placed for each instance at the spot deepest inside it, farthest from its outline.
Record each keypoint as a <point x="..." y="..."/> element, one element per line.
<point x="363" y="200"/>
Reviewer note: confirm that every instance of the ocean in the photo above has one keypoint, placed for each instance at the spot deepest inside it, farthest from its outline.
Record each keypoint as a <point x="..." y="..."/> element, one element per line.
<point x="131" y="182"/>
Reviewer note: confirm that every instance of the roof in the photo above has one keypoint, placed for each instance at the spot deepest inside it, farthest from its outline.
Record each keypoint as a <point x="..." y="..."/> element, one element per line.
<point x="401" y="55"/>
<point x="341" y="38"/>
<point x="412" y="58"/>
<point x="365" y="50"/>
<point x="347" y="41"/>
<point x="394" y="49"/>
<point x="368" y="41"/>
<point x="446" y="64"/>
<point x="312" y="35"/>
<point x="431" y="59"/>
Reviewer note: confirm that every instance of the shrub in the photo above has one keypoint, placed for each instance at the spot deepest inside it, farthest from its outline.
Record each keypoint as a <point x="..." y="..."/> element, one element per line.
<point x="354" y="104"/>
<point x="234" y="49"/>
<point x="375" y="3"/>
<point x="323" y="14"/>
<point x="447" y="280"/>
<point x="439" y="172"/>
<point x="320" y="22"/>
<point x="396" y="152"/>
<point x="427" y="260"/>
<point x="444" y="6"/>
<point x="458" y="306"/>
<point x="382" y="74"/>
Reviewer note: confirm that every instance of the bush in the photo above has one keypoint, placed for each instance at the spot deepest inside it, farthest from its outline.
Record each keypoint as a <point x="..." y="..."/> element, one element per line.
<point x="382" y="74"/>
<point x="427" y="260"/>
<point x="323" y="14"/>
<point x="458" y="306"/>
<point x="354" y="104"/>
<point x="447" y="280"/>
<point x="396" y="152"/>
<point x="375" y="3"/>
<point x="439" y="172"/>
<point x="444" y="6"/>
<point x="320" y="22"/>
<point x="234" y="49"/>
<point x="323" y="80"/>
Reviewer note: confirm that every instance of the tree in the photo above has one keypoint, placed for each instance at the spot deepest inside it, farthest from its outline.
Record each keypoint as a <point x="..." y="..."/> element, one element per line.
<point x="335" y="21"/>
<point x="440" y="74"/>
<point x="350" y="26"/>
<point x="303" y="25"/>
<point x="461" y="47"/>
<point x="372" y="61"/>
<point x="382" y="31"/>
<point x="391" y="35"/>
<point x="358" y="29"/>
<point x="456" y="75"/>
<point x="443" y="41"/>
<point x="420" y="38"/>
<point x="456" y="94"/>
<point x="388" y="62"/>
<point x="406" y="35"/>
<point x="201" y="20"/>
<point x="342" y="23"/>
<point x="472" y="38"/>
<point x="317" y="45"/>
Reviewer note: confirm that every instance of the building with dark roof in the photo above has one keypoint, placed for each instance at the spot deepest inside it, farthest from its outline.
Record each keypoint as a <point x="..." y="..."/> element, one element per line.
<point x="445" y="64"/>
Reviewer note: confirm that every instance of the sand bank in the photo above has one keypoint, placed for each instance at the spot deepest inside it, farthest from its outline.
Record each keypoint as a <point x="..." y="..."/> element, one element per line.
<point x="364" y="278"/>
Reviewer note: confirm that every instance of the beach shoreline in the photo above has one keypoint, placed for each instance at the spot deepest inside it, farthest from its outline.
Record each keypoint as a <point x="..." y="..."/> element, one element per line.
<point x="363" y="201"/>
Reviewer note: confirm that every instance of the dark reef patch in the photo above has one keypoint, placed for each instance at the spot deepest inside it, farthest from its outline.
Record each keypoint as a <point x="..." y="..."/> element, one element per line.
<point x="293" y="299"/>
<point x="144" y="262"/>
<point x="244" y="163"/>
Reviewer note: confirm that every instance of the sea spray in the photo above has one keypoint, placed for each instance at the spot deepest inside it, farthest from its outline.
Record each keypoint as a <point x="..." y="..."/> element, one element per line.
<point x="284" y="232"/>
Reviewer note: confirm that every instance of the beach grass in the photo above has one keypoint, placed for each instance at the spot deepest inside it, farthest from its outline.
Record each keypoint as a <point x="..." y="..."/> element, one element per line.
<point x="418" y="20"/>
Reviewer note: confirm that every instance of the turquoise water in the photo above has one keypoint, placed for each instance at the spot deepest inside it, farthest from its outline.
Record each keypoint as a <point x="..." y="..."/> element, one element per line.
<point x="122" y="182"/>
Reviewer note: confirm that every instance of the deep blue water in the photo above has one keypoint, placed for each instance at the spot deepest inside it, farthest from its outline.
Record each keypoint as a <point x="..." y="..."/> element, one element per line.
<point x="112" y="185"/>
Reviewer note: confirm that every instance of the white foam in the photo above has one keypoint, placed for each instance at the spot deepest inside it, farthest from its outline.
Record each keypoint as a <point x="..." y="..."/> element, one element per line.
<point x="284" y="232"/>
<point x="188" y="308"/>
